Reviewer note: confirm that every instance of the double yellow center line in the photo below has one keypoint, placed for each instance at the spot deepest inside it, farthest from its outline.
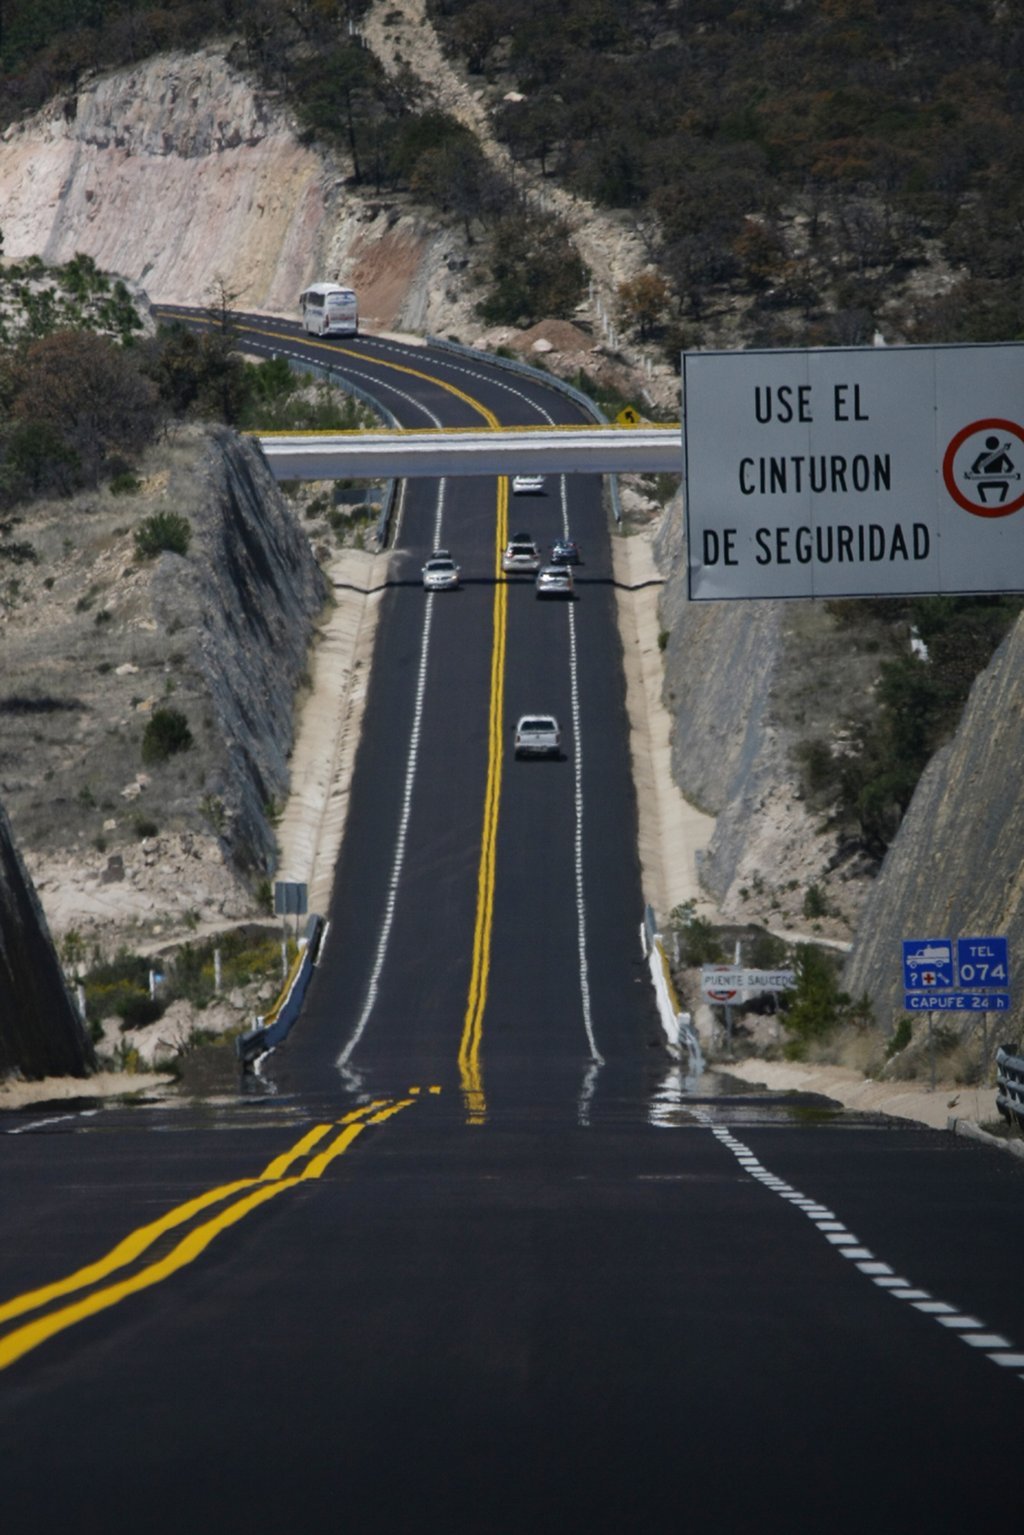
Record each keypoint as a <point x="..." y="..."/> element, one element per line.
<point x="238" y="1200"/>
<point x="472" y="1028"/>
<point x="94" y="1286"/>
<point x="470" y="1071"/>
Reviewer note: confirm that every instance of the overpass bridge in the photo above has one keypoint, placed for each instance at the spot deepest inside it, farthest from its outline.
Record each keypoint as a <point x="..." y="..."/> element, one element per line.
<point x="431" y="453"/>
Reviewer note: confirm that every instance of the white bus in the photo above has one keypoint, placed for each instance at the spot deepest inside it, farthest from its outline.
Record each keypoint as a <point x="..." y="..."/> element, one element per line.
<point x="327" y="309"/>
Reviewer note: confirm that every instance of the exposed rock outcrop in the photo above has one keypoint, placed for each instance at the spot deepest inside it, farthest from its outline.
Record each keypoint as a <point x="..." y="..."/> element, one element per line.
<point x="181" y="175"/>
<point x="99" y="640"/>
<point x="41" y="1033"/>
<point x="955" y="868"/>
<point x="248" y="593"/>
<point x="744" y="683"/>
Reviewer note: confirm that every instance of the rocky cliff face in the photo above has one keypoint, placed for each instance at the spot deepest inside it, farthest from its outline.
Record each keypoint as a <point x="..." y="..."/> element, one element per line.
<point x="744" y="683"/>
<point x="955" y="867"/>
<point x="96" y="640"/>
<point x="41" y="1033"/>
<point x="247" y="595"/>
<point x="179" y="175"/>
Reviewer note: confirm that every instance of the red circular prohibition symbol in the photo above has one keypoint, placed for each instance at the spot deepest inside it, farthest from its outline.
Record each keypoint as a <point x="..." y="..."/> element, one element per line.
<point x="976" y="509"/>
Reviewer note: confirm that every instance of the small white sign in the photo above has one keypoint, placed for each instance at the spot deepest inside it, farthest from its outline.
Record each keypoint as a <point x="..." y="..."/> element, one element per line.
<point x="851" y="472"/>
<point x="722" y="983"/>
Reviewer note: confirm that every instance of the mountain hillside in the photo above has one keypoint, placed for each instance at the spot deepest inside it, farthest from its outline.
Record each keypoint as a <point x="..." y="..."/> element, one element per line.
<point x="220" y="190"/>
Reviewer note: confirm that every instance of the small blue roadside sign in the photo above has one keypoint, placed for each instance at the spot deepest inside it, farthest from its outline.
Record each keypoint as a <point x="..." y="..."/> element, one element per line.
<point x="979" y="982"/>
<point x="927" y="964"/>
<point x="982" y="964"/>
<point x="956" y="1002"/>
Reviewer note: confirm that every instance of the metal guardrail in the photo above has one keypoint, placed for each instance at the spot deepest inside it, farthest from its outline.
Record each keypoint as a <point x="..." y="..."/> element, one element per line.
<point x="677" y="1026"/>
<point x="513" y="365"/>
<point x="1010" y="1084"/>
<point x="276" y="1025"/>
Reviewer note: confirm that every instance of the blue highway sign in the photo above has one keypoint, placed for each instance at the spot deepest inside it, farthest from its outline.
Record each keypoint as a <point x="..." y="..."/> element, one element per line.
<point x="982" y="963"/>
<point x="927" y="964"/>
<point x="956" y="1002"/>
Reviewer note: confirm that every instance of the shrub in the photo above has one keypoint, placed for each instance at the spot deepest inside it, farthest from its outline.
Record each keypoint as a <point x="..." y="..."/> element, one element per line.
<point x="816" y="1004"/>
<point x="766" y="951"/>
<point x="163" y="532"/>
<point x="139" y="1008"/>
<point x="901" y="1037"/>
<point x="125" y="484"/>
<point x="698" y="940"/>
<point x="246" y="956"/>
<point x="535" y="271"/>
<point x="120" y="987"/>
<point x="166" y="734"/>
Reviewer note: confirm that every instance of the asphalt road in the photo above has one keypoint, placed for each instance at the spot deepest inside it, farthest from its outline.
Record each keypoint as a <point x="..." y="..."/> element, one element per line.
<point x="477" y="1258"/>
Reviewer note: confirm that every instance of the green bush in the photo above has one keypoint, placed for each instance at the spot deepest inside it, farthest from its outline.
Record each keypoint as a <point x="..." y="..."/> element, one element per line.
<point x="163" y="532"/>
<point x="535" y="271"/>
<point x="901" y="1037"/>
<point x="699" y="942"/>
<point x="125" y="484"/>
<point x="245" y="957"/>
<point x="766" y="951"/>
<point x="120" y="988"/>
<point x="139" y="1008"/>
<point x="166" y="734"/>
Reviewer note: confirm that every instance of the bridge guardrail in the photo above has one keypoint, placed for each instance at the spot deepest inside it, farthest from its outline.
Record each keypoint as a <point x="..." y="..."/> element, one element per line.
<point x="513" y="365"/>
<point x="270" y="1029"/>
<point x="1010" y="1084"/>
<point x="677" y="1026"/>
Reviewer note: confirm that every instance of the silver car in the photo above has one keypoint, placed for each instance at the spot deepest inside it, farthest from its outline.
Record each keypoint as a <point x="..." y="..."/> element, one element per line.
<point x="554" y="581"/>
<point x="440" y="574"/>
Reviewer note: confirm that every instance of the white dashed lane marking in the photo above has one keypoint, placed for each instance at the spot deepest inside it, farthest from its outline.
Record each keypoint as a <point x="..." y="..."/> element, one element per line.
<point x="1000" y="1350"/>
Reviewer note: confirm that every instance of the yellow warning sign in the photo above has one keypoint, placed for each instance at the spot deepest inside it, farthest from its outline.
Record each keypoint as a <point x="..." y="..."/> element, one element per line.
<point x="628" y="417"/>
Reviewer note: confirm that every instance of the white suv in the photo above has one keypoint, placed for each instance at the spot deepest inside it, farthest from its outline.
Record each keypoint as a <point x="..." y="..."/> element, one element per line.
<point x="521" y="555"/>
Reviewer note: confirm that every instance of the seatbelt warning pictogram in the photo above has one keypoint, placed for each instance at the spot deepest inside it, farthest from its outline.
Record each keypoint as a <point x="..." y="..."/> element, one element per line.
<point x="983" y="468"/>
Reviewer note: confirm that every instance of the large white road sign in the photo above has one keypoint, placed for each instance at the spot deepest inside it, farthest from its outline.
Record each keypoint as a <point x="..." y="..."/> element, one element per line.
<point x="854" y="471"/>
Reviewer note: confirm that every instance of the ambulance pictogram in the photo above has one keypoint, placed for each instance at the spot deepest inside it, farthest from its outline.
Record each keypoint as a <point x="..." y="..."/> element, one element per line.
<point x="983" y="468"/>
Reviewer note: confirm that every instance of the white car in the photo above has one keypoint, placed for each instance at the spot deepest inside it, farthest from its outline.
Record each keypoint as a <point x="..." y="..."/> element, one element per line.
<point x="521" y="555"/>
<point x="538" y="735"/>
<point x="440" y="574"/>
<point x="528" y="485"/>
<point x="554" y="581"/>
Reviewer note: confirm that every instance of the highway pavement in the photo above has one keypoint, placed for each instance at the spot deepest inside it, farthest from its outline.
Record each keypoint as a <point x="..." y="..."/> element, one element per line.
<point x="474" y="1255"/>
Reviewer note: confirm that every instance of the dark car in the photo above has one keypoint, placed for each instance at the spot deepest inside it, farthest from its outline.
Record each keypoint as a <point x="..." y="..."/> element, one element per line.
<point x="565" y="552"/>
